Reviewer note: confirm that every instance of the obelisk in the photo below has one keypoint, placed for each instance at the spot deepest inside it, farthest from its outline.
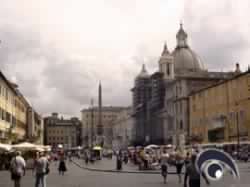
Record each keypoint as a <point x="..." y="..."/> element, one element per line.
<point x="100" y="127"/>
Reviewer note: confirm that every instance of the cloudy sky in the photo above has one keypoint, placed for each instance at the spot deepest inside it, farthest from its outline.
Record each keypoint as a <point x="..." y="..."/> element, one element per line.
<point x="58" y="50"/>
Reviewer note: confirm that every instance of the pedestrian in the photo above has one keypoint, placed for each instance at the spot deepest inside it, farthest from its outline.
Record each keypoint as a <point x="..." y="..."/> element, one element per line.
<point x="86" y="156"/>
<point x="41" y="168"/>
<point x="70" y="157"/>
<point x="187" y="159"/>
<point x="164" y="165"/>
<point x="119" y="161"/>
<point x="125" y="158"/>
<point x="62" y="166"/>
<point x="193" y="174"/>
<point x="17" y="168"/>
<point x="179" y="162"/>
<point x="146" y="160"/>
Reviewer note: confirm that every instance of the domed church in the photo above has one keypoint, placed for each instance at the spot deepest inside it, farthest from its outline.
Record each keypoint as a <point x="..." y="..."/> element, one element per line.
<point x="160" y="100"/>
<point x="183" y="60"/>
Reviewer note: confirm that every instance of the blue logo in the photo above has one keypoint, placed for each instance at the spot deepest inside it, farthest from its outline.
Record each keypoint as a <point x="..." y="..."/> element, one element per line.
<point x="214" y="164"/>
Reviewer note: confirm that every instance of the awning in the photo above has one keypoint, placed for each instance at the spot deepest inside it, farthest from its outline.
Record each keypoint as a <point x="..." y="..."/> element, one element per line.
<point x="5" y="147"/>
<point x="97" y="148"/>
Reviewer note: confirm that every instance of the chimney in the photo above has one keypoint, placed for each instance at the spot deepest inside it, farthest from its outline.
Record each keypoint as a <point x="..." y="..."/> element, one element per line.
<point x="55" y="115"/>
<point x="237" y="70"/>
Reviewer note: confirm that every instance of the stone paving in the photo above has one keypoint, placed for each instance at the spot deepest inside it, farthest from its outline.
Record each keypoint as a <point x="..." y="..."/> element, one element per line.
<point x="78" y="177"/>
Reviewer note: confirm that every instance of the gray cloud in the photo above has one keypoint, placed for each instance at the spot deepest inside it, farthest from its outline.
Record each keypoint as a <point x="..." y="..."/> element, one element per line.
<point x="58" y="61"/>
<point x="216" y="35"/>
<point x="20" y="53"/>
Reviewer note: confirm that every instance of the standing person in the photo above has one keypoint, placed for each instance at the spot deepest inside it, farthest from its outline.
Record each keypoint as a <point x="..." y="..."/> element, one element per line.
<point x="62" y="166"/>
<point x="193" y="174"/>
<point x="119" y="160"/>
<point x="41" y="169"/>
<point x="86" y="156"/>
<point x="187" y="159"/>
<point x="179" y="162"/>
<point x="126" y="158"/>
<point x="17" y="169"/>
<point x="164" y="165"/>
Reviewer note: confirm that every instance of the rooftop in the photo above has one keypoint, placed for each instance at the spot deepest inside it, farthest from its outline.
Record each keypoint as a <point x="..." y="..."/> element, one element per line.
<point x="221" y="82"/>
<point x="106" y="109"/>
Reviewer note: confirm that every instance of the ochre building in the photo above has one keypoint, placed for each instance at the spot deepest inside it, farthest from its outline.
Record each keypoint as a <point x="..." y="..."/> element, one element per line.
<point x="13" y="110"/>
<point x="221" y="112"/>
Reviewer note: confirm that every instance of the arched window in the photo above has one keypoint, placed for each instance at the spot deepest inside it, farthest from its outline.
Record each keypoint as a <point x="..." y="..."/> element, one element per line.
<point x="168" y="69"/>
<point x="181" y="125"/>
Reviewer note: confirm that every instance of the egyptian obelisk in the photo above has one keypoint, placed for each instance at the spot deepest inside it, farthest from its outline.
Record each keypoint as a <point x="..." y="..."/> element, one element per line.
<point x="100" y="126"/>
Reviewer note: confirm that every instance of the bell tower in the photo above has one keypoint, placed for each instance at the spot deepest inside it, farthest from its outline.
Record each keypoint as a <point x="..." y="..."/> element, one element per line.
<point x="181" y="37"/>
<point x="166" y="63"/>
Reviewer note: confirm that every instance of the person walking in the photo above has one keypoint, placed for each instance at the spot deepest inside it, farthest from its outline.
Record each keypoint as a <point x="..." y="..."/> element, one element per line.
<point x="41" y="169"/>
<point x="187" y="159"/>
<point x="179" y="162"/>
<point x="119" y="160"/>
<point x="164" y="165"/>
<point x="125" y="159"/>
<point x="193" y="175"/>
<point x="62" y="166"/>
<point x="17" y="168"/>
<point x="86" y="156"/>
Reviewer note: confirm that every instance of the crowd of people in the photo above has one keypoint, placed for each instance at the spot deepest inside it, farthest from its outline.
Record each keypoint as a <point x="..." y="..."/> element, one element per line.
<point x="163" y="159"/>
<point x="145" y="159"/>
<point x="17" y="165"/>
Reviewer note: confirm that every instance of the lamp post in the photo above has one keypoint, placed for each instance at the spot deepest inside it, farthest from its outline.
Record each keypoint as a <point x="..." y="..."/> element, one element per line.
<point x="92" y="124"/>
<point x="238" y="133"/>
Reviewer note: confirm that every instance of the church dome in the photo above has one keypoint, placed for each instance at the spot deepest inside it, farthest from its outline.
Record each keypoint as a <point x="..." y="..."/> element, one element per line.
<point x="184" y="57"/>
<point x="143" y="73"/>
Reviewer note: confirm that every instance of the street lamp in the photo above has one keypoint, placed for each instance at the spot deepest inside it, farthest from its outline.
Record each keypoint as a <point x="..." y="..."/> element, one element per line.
<point x="92" y="124"/>
<point x="238" y="132"/>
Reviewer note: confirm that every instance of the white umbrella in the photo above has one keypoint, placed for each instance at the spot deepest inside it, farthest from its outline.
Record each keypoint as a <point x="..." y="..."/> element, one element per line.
<point x="25" y="146"/>
<point x="152" y="146"/>
<point x="169" y="146"/>
<point x="5" y="147"/>
<point x="47" y="147"/>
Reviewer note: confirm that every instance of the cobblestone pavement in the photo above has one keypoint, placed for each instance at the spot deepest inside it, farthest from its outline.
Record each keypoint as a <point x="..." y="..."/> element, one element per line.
<point x="77" y="177"/>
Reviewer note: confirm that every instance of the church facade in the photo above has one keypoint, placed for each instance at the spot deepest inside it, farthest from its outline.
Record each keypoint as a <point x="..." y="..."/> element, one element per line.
<point x="181" y="72"/>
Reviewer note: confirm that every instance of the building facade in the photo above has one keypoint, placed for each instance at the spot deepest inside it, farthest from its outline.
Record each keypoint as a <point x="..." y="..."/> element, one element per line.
<point x="221" y="112"/>
<point x="35" y="128"/>
<point x="91" y="125"/>
<point x="141" y="96"/>
<point x="66" y="132"/>
<point x="123" y="130"/>
<point x="13" y="112"/>
<point x="182" y="72"/>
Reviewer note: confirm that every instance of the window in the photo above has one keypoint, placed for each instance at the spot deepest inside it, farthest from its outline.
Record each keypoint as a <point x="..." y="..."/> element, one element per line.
<point x="194" y="107"/>
<point x="180" y="107"/>
<point x="181" y="125"/>
<point x="3" y="91"/>
<point x="7" y="95"/>
<point x="13" y="120"/>
<point x="168" y="69"/>
<point x="241" y="117"/>
<point x="3" y="115"/>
